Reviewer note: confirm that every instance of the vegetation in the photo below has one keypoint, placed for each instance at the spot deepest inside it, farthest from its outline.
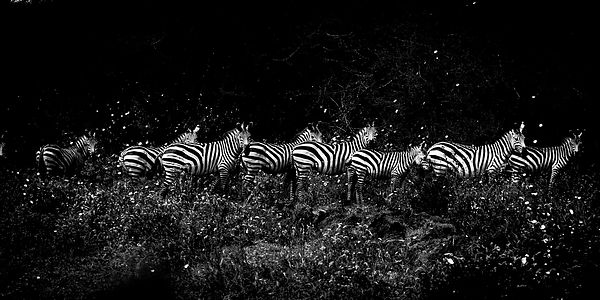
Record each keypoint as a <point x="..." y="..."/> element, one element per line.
<point x="99" y="235"/>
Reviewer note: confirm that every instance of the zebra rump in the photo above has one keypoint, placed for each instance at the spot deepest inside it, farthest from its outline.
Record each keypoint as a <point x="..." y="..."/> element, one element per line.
<point x="139" y="161"/>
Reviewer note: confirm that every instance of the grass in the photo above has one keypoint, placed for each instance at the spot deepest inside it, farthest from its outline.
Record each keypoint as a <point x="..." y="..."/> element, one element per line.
<point x="99" y="235"/>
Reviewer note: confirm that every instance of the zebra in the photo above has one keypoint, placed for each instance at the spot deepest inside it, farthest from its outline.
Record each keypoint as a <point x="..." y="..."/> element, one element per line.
<point x="275" y="158"/>
<point x="325" y="158"/>
<point x="377" y="164"/>
<point x="538" y="159"/>
<point x="138" y="161"/>
<point x="204" y="158"/>
<point x="469" y="161"/>
<point x="53" y="159"/>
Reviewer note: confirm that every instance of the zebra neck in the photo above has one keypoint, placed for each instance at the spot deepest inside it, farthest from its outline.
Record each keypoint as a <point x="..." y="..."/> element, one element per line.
<point x="229" y="146"/>
<point x="80" y="148"/>
<point x="406" y="159"/>
<point x="502" y="144"/>
<point x="356" y="143"/>
<point x="566" y="149"/>
<point x="298" y="140"/>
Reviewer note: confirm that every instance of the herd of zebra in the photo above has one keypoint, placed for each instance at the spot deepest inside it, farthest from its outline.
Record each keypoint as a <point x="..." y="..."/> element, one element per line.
<point x="308" y="152"/>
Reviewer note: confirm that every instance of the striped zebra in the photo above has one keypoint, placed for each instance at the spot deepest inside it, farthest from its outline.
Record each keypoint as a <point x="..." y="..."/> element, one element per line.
<point x="275" y="158"/>
<point x="54" y="159"/>
<point x="330" y="159"/>
<point x="204" y="158"/>
<point x="468" y="161"/>
<point x="539" y="159"/>
<point x="377" y="164"/>
<point x="138" y="161"/>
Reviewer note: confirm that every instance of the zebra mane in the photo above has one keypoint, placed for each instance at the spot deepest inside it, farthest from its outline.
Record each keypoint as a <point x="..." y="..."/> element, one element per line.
<point x="230" y="133"/>
<point x="239" y="128"/>
<point x="308" y="129"/>
<point x="301" y="133"/>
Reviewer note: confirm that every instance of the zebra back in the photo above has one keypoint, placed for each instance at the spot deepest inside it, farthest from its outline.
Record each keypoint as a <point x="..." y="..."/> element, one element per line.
<point x="467" y="161"/>
<point x="328" y="158"/>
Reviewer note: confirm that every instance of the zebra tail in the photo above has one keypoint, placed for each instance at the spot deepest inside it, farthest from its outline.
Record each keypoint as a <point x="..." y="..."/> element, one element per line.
<point x="157" y="167"/>
<point x="122" y="160"/>
<point x="39" y="155"/>
<point x="246" y="150"/>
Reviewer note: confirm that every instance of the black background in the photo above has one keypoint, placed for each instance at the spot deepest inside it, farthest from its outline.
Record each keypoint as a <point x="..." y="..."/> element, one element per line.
<point x="74" y="56"/>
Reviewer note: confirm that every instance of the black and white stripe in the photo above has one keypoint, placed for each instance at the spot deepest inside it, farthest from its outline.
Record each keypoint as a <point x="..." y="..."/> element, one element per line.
<point x="138" y="161"/>
<point x="330" y="159"/>
<point x="54" y="159"/>
<point x="274" y="158"/>
<point x="205" y="158"/>
<point x="467" y="161"/>
<point x="377" y="164"/>
<point x="554" y="158"/>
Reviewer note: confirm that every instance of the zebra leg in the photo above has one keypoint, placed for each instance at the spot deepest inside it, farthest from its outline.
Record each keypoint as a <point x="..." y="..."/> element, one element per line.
<point x="552" y="176"/>
<point x="359" y="189"/>
<point x="289" y="180"/>
<point x="223" y="179"/>
<point x="350" y="182"/>
<point x="301" y="184"/>
<point x="392" y="189"/>
<point x="247" y="183"/>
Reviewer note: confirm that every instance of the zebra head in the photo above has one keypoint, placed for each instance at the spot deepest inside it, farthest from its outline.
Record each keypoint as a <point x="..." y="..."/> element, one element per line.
<point x="517" y="138"/>
<point x="368" y="133"/>
<point x="574" y="141"/>
<point x="314" y="134"/>
<point x="242" y="134"/>
<point x="91" y="143"/>
<point x="192" y="136"/>
<point x="87" y="143"/>
<point x="418" y="152"/>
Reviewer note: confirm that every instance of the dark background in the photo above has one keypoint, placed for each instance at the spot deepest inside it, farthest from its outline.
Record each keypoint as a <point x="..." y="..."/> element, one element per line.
<point x="69" y="65"/>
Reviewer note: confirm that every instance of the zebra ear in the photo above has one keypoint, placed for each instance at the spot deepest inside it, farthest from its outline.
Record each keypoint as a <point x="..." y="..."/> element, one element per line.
<point x="522" y="127"/>
<point x="196" y="129"/>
